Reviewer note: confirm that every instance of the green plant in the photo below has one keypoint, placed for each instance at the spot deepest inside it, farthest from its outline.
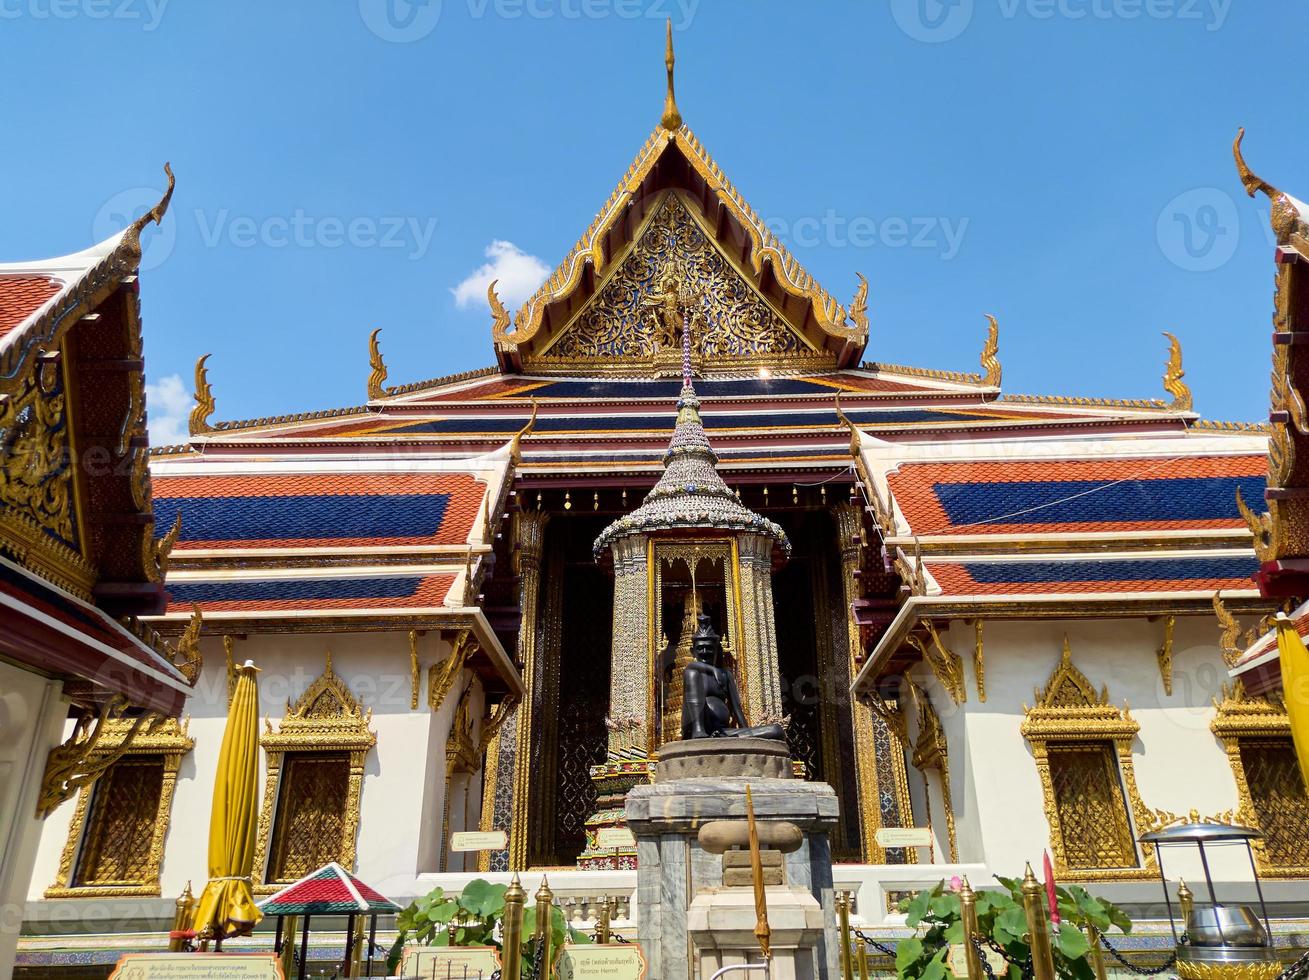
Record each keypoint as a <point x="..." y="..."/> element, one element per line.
<point x="473" y="918"/>
<point x="1002" y="920"/>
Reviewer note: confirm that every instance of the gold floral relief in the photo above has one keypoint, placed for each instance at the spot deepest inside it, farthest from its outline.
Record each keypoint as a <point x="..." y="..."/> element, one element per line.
<point x="36" y="483"/>
<point x="674" y="273"/>
<point x="169" y="741"/>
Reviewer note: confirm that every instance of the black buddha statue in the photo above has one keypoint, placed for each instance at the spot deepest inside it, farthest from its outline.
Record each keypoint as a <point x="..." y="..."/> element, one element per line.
<point x="711" y="701"/>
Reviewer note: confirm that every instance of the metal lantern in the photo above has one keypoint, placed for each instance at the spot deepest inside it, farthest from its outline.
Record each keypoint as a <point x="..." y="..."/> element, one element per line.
<point x="1218" y="941"/>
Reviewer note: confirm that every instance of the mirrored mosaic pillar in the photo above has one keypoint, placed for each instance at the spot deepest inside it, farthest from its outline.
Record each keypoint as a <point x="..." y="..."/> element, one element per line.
<point x="630" y="675"/>
<point x="761" y="680"/>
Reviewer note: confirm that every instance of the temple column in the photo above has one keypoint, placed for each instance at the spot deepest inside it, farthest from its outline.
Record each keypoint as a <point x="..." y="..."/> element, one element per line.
<point x="630" y="673"/>
<point x="879" y="757"/>
<point x="509" y="756"/>
<point x="757" y="650"/>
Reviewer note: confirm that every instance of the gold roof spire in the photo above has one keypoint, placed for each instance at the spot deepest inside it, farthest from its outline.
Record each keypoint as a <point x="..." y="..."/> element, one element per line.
<point x="672" y="119"/>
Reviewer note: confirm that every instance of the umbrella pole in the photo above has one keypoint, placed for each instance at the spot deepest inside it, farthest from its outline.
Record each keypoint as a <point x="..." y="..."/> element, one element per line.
<point x="304" y="949"/>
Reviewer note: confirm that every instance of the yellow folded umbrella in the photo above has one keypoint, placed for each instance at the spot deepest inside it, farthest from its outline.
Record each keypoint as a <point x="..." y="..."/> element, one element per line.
<point x="1295" y="687"/>
<point x="227" y="906"/>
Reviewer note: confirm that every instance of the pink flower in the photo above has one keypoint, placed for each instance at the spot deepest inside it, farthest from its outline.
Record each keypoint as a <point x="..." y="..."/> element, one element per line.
<point x="956" y="884"/>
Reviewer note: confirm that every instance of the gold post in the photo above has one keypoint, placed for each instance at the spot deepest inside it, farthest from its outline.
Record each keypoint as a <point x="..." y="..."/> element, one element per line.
<point x="287" y="957"/>
<point x="1037" y="927"/>
<point x="861" y="960"/>
<point x="182" y="918"/>
<point x="606" y="916"/>
<point x="545" y="900"/>
<point x="968" y="912"/>
<point x="761" y="930"/>
<point x="357" y="948"/>
<point x="843" y="916"/>
<point x="511" y="963"/>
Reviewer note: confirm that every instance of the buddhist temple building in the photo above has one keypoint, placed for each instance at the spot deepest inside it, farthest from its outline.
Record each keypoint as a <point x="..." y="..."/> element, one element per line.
<point x="983" y="614"/>
<point x="89" y="695"/>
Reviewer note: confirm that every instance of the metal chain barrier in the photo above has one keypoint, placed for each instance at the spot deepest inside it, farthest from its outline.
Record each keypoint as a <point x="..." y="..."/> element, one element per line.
<point x="1140" y="971"/>
<point x="1297" y="970"/>
<point x="1025" y="966"/>
<point x="880" y="947"/>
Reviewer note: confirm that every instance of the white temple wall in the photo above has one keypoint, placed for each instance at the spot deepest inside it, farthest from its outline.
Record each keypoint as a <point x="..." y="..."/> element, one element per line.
<point x="401" y="800"/>
<point x="996" y="790"/>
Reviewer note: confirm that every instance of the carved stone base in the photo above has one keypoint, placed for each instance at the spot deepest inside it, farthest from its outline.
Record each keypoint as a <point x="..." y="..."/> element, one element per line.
<point x="756" y="758"/>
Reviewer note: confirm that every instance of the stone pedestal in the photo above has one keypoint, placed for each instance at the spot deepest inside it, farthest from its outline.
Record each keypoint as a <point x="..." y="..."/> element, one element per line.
<point x="721" y="924"/>
<point x="674" y="871"/>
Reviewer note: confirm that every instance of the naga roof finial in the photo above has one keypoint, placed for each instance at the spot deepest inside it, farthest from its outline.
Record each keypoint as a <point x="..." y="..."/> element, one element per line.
<point x="1173" y="374"/>
<point x="672" y="119"/>
<point x="1285" y="216"/>
<point x="198" y="424"/>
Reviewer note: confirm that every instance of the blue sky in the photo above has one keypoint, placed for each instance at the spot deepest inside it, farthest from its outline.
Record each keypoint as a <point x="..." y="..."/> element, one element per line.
<point x="347" y="164"/>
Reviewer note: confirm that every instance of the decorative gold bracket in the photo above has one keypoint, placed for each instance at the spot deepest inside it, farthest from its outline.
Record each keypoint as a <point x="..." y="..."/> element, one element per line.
<point x="441" y="677"/>
<point x="979" y="661"/>
<point x="1173" y="374"/>
<point x="163" y="548"/>
<point x="991" y="354"/>
<point x="1261" y="526"/>
<point x="187" y="657"/>
<point x="198" y="424"/>
<point x="492" y="724"/>
<point x="946" y="665"/>
<point x="377" y="377"/>
<point x="1165" y="655"/>
<point x="76" y="764"/>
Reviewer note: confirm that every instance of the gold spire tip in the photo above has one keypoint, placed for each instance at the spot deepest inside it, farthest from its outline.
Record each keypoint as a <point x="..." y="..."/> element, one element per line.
<point x="672" y="119"/>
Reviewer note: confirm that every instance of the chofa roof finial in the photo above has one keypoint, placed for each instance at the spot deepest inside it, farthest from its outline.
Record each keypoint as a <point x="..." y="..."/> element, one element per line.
<point x="672" y="119"/>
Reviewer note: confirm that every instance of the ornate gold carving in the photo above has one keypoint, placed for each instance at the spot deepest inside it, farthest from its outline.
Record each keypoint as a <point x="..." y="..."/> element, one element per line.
<point x="78" y="762"/>
<point x="979" y="660"/>
<point x="1265" y="728"/>
<point x="132" y="239"/>
<point x="1261" y="526"/>
<point x="859" y="307"/>
<point x="1281" y="455"/>
<point x="1285" y="217"/>
<point x="36" y="486"/>
<point x="170" y="740"/>
<point x="492" y="723"/>
<point x="912" y="575"/>
<point x="674" y="261"/>
<point x="198" y="424"/>
<point x="1285" y="397"/>
<point x="946" y="665"/>
<point x="415" y="673"/>
<point x="163" y="548"/>
<point x="499" y="315"/>
<point x="671" y="119"/>
<point x="441" y="677"/>
<point x="991" y="354"/>
<point x="325" y="718"/>
<point x="1173" y="374"/>
<point x="932" y="752"/>
<point x="228" y="643"/>
<point x="1234" y="642"/>
<point x="516" y="443"/>
<point x="188" y="657"/>
<point x="377" y="372"/>
<point x="1069" y="720"/>
<point x="1165" y="653"/>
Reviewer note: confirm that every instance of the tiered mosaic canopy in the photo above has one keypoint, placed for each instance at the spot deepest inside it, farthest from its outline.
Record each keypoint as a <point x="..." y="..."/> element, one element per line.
<point x="691" y="494"/>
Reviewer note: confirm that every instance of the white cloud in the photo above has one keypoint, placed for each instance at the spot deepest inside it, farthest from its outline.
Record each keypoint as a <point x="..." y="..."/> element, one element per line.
<point x="168" y="405"/>
<point x="518" y="275"/>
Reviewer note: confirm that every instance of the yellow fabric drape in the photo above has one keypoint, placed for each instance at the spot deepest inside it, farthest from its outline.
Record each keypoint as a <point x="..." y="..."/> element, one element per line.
<point x="1295" y="688"/>
<point x="227" y="906"/>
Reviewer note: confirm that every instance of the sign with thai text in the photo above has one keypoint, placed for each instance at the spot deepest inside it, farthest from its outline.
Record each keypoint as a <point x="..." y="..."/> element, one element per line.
<point x="617" y="961"/>
<point x="197" y="966"/>
<point x="614" y="837"/>
<point x="453" y="962"/>
<point x="479" y="840"/>
<point x="904" y="837"/>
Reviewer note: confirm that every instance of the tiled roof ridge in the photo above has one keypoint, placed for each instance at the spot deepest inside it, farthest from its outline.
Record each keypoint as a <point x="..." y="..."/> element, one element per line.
<point x="1077" y="400"/>
<point x="447" y="379"/>
<point x="962" y="377"/>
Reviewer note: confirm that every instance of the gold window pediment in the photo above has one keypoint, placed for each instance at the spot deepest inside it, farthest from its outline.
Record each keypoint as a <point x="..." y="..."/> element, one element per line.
<point x="319" y="747"/>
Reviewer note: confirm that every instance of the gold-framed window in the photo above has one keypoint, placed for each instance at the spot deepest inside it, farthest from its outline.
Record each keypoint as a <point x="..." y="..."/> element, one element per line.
<point x="1082" y="745"/>
<point x="314" y="783"/>
<point x="115" y="842"/>
<point x="1272" y="798"/>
